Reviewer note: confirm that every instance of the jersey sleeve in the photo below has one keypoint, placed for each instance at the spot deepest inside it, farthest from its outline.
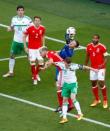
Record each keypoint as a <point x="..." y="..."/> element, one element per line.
<point x="104" y="49"/>
<point x="26" y="32"/>
<point x="12" y="22"/>
<point x="76" y="67"/>
<point x="44" y="30"/>
<point x="59" y="65"/>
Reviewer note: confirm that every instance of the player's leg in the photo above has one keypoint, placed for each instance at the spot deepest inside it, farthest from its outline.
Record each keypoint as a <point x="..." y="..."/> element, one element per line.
<point x="32" y="59"/>
<point x="73" y="88"/>
<point x="59" y="84"/>
<point x="65" y="95"/>
<point x="94" y="80"/>
<point x="101" y="82"/>
<point x="13" y="52"/>
<point x="40" y="63"/>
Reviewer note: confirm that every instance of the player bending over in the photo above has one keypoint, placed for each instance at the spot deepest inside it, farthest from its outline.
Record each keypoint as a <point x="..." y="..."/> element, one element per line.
<point x="36" y="34"/>
<point x="70" y="86"/>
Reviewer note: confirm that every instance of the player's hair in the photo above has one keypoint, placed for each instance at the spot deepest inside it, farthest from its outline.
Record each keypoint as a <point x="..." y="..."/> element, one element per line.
<point x="38" y="17"/>
<point x="44" y="48"/>
<point x="98" y="36"/>
<point x="67" y="60"/>
<point x="20" y="7"/>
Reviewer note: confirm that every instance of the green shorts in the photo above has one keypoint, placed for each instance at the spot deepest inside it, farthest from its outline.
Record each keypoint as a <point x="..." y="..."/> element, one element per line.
<point x="17" y="48"/>
<point x="68" y="89"/>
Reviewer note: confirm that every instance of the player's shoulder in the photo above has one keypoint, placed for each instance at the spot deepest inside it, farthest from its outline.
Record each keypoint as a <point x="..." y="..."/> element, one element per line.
<point x="102" y="45"/>
<point x="89" y="44"/>
<point x="27" y="17"/>
<point x="41" y="26"/>
<point x="14" y="17"/>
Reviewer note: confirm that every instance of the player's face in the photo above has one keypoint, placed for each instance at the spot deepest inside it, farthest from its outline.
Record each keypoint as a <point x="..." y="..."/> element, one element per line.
<point x="95" y="40"/>
<point x="20" y="12"/>
<point x="43" y="54"/>
<point x="72" y="44"/>
<point x="37" y="22"/>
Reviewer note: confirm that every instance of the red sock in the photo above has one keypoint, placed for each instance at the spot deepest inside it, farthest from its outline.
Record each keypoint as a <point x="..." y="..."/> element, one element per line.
<point x="60" y="98"/>
<point x="33" y="70"/>
<point x="70" y="103"/>
<point x="95" y="92"/>
<point x="104" y="93"/>
<point x="37" y="69"/>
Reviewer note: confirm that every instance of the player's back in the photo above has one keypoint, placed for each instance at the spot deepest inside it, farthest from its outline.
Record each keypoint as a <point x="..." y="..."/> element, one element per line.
<point x="54" y="56"/>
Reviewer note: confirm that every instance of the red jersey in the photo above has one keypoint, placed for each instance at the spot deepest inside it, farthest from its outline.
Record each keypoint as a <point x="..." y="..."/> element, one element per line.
<point x="35" y="36"/>
<point x="96" y="54"/>
<point x="54" y="56"/>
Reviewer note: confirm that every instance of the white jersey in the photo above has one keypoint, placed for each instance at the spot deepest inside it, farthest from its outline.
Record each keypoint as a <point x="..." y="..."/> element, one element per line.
<point x="69" y="74"/>
<point x="19" y="25"/>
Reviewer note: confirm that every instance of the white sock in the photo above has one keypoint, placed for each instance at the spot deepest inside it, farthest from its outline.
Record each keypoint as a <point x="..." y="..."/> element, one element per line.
<point x="11" y="65"/>
<point x="77" y="106"/>
<point x="64" y="110"/>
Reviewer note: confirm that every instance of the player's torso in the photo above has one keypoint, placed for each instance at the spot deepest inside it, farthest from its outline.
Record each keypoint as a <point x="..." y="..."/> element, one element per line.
<point x="20" y="25"/>
<point x="69" y="76"/>
<point x="66" y="52"/>
<point x="35" y="36"/>
<point x="54" y="56"/>
<point x="96" y="55"/>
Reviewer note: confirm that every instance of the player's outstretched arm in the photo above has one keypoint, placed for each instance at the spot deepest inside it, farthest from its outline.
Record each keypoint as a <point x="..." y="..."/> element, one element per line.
<point x="10" y="28"/>
<point x="89" y="68"/>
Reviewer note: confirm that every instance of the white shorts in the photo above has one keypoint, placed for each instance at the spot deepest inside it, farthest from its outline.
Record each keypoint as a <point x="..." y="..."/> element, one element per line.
<point x="100" y="75"/>
<point x="34" y="55"/>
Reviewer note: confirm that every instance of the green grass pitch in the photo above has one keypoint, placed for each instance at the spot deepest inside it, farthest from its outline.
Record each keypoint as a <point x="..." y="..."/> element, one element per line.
<point x="88" y="18"/>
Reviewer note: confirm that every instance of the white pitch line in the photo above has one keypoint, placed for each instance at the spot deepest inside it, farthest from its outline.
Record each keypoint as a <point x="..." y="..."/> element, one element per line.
<point x="18" y="57"/>
<point x="51" y="109"/>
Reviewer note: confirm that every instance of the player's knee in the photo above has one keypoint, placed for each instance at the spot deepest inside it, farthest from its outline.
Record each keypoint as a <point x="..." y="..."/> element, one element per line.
<point x="101" y="84"/>
<point x="32" y="63"/>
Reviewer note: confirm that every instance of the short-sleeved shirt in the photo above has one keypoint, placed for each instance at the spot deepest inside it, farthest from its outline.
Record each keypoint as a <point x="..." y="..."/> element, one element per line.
<point x="35" y="36"/>
<point x="19" y="25"/>
<point x="96" y="54"/>
<point x="69" y="74"/>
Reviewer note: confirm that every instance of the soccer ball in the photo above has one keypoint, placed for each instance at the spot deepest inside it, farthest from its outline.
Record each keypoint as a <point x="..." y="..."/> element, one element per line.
<point x="71" y="31"/>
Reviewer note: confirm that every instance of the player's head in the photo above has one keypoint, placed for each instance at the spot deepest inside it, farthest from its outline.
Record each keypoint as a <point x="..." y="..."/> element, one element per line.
<point x="43" y="51"/>
<point x="67" y="61"/>
<point x="70" y="33"/>
<point x="20" y="10"/>
<point x="96" y="39"/>
<point x="37" y="20"/>
<point x="74" y="44"/>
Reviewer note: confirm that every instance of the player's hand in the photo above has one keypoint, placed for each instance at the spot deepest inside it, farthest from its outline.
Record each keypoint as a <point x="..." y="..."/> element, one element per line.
<point x="100" y="66"/>
<point x="26" y="50"/>
<point x="9" y="29"/>
<point x="95" y="70"/>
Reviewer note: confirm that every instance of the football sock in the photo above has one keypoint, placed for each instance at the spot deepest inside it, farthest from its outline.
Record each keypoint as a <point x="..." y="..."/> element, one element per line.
<point x="95" y="92"/>
<point x="70" y="103"/>
<point x="104" y="93"/>
<point x="60" y="98"/>
<point x="77" y="106"/>
<point x="38" y="69"/>
<point x="64" y="110"/>
<point x="33" y="70"/>
<point x="11" y="65"/>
